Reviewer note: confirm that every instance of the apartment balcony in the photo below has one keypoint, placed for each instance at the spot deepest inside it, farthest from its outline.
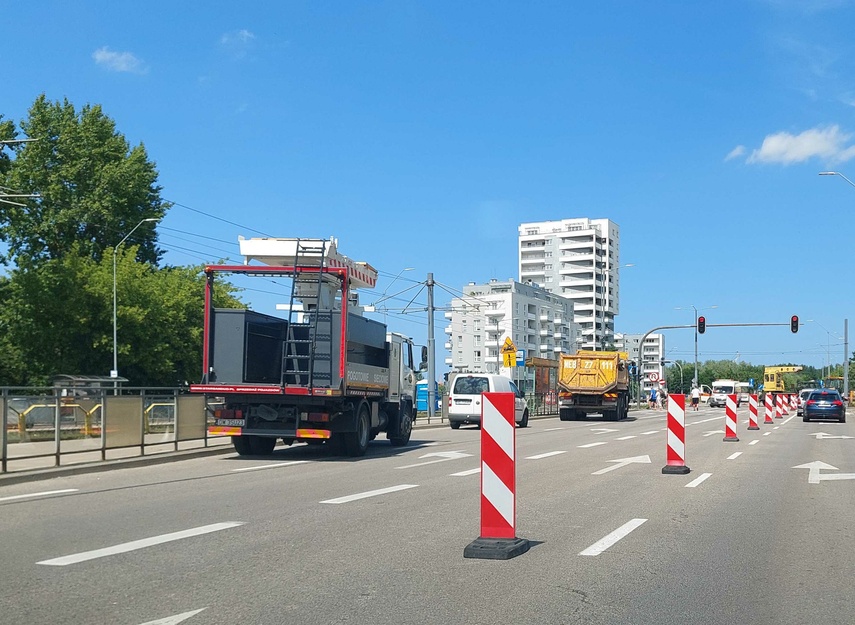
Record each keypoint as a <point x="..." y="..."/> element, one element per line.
<point x="545" y="332"/>
<point x="491" y="343"/>
<point x="447" y="346"/>
<point x="557" y="335"/>
<point x="449" y="329"/>
<point x="491" y="359"/>
<point x="449" y="361"/>
<point x="448" y="314"/>
<point x="544" y="316"/>
<point x="544" y="347"/>
<point x="495" y="313"/>
<point x="556" y="349"/>
<point x="536" y="258"/>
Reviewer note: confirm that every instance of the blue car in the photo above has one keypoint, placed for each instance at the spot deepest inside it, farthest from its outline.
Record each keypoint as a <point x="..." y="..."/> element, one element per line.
<point x="824" y="404"/>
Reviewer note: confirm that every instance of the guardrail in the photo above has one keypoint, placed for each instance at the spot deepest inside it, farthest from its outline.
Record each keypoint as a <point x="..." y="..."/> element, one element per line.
<point x="39" y="424"/>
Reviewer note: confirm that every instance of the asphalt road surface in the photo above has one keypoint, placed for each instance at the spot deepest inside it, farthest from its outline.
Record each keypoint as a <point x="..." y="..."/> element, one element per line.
<point x="306" y="537"/>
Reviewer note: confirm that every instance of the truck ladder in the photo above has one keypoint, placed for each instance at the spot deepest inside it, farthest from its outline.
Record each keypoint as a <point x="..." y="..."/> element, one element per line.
<point x="307" y="357"/>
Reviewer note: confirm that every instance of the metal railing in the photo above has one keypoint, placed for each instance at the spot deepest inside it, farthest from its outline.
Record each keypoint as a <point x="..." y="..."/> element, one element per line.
<point x="39" y="424"/>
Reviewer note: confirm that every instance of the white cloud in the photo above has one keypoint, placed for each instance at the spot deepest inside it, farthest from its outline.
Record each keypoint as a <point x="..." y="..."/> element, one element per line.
<point x="119" y="61"/>
<point x="238" y="36"/>
<point x="736" y="152"/>
<point x="829" y="144"/>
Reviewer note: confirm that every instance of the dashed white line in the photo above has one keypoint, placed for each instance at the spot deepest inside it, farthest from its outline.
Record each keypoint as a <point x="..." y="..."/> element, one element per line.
<point x="625" y="438"/>
<point x="766" y="433"/>
<point x="754" y="442"/>
<point x="698" y="480"/>
<point x="464" y="473"/>
<point x="271" y="466"/>
<point x="137" y="544"/>
<point x="591" y="445"/>
<point x="370" y="493"/>
<point x="41" y="494"/>
<point x="604" y="543"/>
<point x="734" y="456"/>
<point x="546" y="455"/>
<point x="776" y="427"/>
<point x="552" y="429"/>
<point x="650" y="432"/>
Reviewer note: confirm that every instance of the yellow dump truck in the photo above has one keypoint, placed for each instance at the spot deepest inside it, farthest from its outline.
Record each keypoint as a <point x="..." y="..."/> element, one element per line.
<point x="593" y="382"/>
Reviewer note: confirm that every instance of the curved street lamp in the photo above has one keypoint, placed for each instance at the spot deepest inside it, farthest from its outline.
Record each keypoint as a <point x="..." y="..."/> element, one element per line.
<point x="695" y="379"/>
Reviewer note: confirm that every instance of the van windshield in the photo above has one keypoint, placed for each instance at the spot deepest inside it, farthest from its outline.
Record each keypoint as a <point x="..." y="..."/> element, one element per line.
<point x="471" y="386"/>
<point x="725" y="390"/>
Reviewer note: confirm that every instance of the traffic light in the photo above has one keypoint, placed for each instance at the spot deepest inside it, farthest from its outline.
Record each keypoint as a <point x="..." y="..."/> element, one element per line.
<point x="702" y="325"/>
<point x="794" y="324"/>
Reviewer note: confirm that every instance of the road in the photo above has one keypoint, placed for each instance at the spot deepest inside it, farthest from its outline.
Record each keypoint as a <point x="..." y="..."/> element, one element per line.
<point x="300" y="537"/>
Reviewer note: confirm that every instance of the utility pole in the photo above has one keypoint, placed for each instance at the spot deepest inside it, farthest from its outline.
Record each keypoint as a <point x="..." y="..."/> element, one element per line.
<point x="846" y="358"/>
<point x="431" y="352"/>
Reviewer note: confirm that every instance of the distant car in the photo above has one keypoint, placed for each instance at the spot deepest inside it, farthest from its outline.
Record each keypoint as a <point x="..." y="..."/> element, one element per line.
<point x="803" y="395"/>
<point x="464" y="400"/>
<point x="824" y="404"/>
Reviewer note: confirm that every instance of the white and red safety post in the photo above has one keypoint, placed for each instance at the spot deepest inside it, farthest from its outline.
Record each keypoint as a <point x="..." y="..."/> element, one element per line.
<point x="730" y="419"/>
<point x="498" y="539"/>
<point x="769" y="409"/>
<point x="752" y="413"/>
<point x="785" y="404"/>
<point x="779" y="406"/>
<point x="675" y="452"/>
<point x="793" y="403"/>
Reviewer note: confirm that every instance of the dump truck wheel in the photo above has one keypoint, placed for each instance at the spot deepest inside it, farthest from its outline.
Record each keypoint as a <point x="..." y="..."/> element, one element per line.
<point x="241" y="445"/>
<point x="565" y="414"/>
<point x="405" y="429"/>
<point x="262" y="445"/>
<point x="356" y="443"/>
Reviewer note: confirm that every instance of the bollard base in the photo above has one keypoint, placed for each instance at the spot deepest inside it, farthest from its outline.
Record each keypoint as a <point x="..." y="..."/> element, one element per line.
<point x="730" y="439"/>
<point x="496" y="548"/>
<point x="671" y="469"/>
<point x="753" y="427"/>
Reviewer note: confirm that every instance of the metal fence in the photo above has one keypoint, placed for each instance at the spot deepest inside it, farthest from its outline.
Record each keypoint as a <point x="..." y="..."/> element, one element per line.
<point x="43" y="426"/>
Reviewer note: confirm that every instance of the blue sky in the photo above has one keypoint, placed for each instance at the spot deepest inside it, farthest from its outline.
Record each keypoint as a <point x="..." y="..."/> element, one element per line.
<point x="422" y="133"/>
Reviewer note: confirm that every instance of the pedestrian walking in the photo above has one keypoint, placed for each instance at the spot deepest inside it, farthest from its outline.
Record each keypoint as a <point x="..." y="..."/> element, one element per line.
<point x="696" y="397"/>
<point x="651" y="403"/>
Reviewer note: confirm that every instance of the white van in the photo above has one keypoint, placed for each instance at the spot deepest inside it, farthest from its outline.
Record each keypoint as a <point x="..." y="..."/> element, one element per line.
<point x="464" y="398"/>
<point x="721" y="389"/>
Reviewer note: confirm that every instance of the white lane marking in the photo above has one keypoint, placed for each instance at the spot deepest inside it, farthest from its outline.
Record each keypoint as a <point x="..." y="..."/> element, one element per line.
<point x="649" y="433"/>
<point x="766" y="433"/>
<point x="788" y="420"/>
<point x="604" y="543"/>
<point x="734" y="456"/>
<point x="603" y="430"/>
<point x="138" y="544"/>
<point x="590" y="445"/>
<point x="698" y="480"/>
<point x="271" y="466"/>
<point x="552" y="429"/>
<point x="546" y="455"/>
<point x="443" y="456"/>
<point x="464" y="473"/>
<point x="622" y="462"/>
<point x="41" y="494"/>
<point x="754" y="442"/>
<point x="625" y="438"/>
<point x="175" y="619"/>
<point x="433" y="444"/>
<point x="370" y="493"/>
<point x="776" y="427"/>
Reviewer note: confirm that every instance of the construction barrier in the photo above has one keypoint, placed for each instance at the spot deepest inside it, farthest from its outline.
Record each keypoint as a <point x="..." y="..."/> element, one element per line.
<point x="770" y="409"/>
<point x="730" y="419"/>
<point x="675" y="452"/>
<point x="785" y="404"/>
<point x="779" y="406"/>
<point x="793" y="402"/>
<point x="498" y="539"/>
<point x="752" y="413"/>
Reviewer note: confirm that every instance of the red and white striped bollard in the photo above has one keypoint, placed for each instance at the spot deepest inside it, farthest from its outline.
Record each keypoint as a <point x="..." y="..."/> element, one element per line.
<point x="779" y="406"/>
<point x="770" y="409"/>
<point x="730" y="420"/>
<point x="752" y="413"/>
<point x="675" y="452"/>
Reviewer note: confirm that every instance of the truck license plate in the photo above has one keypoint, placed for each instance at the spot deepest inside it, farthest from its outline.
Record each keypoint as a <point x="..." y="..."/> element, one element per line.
<point x="231" y="422"/>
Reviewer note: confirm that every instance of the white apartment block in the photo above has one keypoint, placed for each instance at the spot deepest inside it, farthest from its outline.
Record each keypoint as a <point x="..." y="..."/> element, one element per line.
<point x="649" y="358"/>
<point x="537" y="321"/>
<point x="579" y="259"/>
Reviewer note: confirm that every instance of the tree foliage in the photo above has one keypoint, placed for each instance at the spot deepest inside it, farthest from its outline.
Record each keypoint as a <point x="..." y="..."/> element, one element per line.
<point x="93" y="187"/>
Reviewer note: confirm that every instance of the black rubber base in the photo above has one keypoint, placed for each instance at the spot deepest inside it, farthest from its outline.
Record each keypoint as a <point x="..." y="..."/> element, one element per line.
<point x="496" y="548"/>
<point x="730" y="439"/>
<point x="670" y="469"/>
<point x="756" y="427"/>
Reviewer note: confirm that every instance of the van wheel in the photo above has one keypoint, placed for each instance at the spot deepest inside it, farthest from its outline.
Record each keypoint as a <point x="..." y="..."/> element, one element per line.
<point x="524" y="422"/>
<point x="455" y="425"/>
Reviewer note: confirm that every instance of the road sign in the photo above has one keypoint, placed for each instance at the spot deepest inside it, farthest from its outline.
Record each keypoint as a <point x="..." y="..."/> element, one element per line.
<point x="509" y="347"/>
<point x="653" y="376"/>
<point x="509" y="359"/>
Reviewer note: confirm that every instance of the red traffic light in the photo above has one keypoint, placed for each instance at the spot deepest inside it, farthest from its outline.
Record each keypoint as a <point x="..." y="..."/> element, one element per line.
<point x="702" y="325"/>
<point x="794" y="323"/>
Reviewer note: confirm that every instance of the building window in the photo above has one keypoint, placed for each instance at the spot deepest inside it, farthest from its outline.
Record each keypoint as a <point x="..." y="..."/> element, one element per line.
<point x="459" y="356"/>
<point x="476" y="339"/>
<point x="477" y="355"/>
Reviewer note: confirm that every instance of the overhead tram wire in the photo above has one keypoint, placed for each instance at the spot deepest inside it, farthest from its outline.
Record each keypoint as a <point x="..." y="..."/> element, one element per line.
<point x="231" y="223"/>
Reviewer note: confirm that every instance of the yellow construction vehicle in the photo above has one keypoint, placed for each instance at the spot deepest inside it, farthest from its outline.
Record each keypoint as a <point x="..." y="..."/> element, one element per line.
<point x="773" y="378"/>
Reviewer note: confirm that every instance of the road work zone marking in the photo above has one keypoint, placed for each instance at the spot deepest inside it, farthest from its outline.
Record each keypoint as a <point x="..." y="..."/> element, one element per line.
<point x="591" y="445"/>
<point x="465" y="473"/>
<point x="546" y="455"/>
<point x="370" y="493"/>
<point x="734" y="456"/>
<point x="698" y="480"/>
<point x="45" y="493"/>
<point x="137" y="544"/>
<point x="271" y="466"/>
<point x="604" y="543"/>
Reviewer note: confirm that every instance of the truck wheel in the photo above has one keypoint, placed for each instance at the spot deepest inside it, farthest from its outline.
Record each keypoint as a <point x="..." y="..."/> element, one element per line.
<point x="565" y="414"/>
<point x="580" y="415"/>
<point x="455" y="425"/>
<point x="405" y="429"/>
<point x="262" y="445"/>
<point x="356" y="443"/>
<point x="524" y="421"/>
<point x="242" y="446"/>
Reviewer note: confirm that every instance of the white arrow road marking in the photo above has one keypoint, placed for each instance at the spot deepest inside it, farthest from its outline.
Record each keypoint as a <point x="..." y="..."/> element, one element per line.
<point x="174" y="620"/>
<point x="815" y="475"/>
<point x="622" y="462"/>
<point x="271" y="466"/>
<point x="711" y="432"/>
<point x="590" y="445"/>
<point x="370" y="493"/>
<point x="442" y="456"/>
<point x="546" y="455"/>
<point x="604" y="543"/>
<point x="465" y="473"/>
<point x="603" y="430"/>
<point x="41" y="494"/>
<point x="819" y="436"/>
<point x="137" y="544"/>
<point x="695" y="482"/>
<point x="734" y="456"/>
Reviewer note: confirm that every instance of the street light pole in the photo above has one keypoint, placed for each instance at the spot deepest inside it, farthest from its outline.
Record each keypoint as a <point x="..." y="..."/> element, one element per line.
<point x="115" y="371"/>
<point x="695" y="378"/>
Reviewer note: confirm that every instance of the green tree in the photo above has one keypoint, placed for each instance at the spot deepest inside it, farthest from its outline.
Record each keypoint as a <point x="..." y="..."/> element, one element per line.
<point x="93" y="187"/>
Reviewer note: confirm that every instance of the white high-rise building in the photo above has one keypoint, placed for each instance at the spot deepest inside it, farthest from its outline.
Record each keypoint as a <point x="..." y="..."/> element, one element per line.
<point x="579" y="259"/>
<point x="537" y="322"/>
